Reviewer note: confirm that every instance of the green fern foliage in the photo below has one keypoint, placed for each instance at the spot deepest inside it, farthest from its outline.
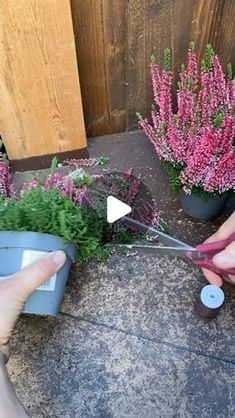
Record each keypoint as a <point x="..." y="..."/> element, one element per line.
<point x="53" y="213"/>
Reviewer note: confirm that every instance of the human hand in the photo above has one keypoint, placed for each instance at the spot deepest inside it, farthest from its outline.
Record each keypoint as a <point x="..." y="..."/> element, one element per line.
<point x="15" y="289"/>
<point x="226" y="258"/>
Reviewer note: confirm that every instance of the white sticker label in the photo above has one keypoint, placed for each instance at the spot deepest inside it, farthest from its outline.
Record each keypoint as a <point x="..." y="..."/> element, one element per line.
<point x="29" y="257"/>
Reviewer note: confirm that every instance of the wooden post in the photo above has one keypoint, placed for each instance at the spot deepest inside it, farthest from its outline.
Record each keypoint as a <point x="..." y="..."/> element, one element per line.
<point x="40" y="102"/>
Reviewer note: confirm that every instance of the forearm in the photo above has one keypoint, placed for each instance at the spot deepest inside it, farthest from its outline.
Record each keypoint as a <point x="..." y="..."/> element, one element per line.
<point x="14" y="291"/>
<point x="10" y="406"/>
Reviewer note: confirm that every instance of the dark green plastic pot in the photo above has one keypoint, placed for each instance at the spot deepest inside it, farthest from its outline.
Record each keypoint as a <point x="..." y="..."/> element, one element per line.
<point x="18" y="249"/>
<point x="200" y="208"/>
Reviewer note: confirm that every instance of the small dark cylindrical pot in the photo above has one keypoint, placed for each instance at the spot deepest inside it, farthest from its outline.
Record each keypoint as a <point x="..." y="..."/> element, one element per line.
<point x="200" y="208"/>
<point x="18" y="249"/>
<point x="210" y="302"/>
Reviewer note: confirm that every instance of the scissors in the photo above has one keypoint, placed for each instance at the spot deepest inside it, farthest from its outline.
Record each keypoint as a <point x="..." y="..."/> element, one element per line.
<point x="201" y="255"/>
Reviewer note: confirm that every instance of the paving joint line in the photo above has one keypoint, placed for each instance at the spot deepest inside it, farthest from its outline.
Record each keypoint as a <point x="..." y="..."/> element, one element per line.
<point x="146" y="338"/>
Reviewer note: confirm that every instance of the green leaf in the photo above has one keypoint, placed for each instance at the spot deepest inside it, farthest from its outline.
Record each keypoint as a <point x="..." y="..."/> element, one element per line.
<point x="4" y="157"/>
<point x="229" y="71"/>
<point x="189" y="82"/>
<point x="102" y="160"/>
<point x="207" y="61"/>
<point x="174" y="175"/>
<point x="54" y="164"/>
<point x="192" y="45"/>
<point x="139" y="116"/>
<point x="218" y="120"/>
<point x="167" y="59"/>
<point x="81" y="177"/>
<point x="175" y="119"/>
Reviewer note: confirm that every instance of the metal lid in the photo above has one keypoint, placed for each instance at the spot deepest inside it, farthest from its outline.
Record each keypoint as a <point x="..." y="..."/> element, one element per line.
<point x="212" y="296"/>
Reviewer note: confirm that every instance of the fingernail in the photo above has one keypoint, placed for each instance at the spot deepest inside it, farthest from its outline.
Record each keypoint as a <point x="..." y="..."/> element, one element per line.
<point x="223" y="259"/>
<point x="59" y="258"/>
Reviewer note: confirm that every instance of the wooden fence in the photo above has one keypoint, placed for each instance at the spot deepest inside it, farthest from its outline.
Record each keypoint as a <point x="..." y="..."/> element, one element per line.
<point x="40" y="102"/>
<point x="114" y="39"/>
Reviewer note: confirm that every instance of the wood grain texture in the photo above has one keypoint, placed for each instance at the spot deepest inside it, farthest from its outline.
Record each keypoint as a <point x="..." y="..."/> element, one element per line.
<point x="115" y="38"/>
<point x="100" y="39"/>
<point x="214" y="22"/>
<point x="40" y="101"/>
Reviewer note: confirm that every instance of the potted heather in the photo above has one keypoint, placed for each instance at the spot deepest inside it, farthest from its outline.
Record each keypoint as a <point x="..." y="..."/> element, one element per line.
<point x="40" y="221"/>
<point x="47" y="215"/>
<point x="196" y="143"/>
<point x="66" y="212"/>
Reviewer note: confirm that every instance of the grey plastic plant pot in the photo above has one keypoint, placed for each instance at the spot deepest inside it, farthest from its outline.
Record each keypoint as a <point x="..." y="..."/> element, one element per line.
<point x="199" y="208"/>
<point x="18" y="249"/>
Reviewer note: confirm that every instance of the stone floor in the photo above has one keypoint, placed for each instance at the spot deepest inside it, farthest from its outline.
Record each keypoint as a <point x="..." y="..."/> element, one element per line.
<point x="127" y="343"/>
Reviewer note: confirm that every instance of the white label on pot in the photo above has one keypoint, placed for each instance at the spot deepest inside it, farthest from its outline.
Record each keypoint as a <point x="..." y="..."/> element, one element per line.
<point x="29" y="257"/>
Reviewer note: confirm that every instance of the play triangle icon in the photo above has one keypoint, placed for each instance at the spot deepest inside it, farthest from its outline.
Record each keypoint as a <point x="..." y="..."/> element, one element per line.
<point x="116" y="209"/>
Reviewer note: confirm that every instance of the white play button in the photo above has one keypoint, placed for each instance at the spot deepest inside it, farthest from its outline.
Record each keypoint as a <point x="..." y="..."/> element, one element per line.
<point x="116" y="209"/>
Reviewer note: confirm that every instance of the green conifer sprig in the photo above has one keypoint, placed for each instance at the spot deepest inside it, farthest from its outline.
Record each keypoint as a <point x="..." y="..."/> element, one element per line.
<point x="53" y="213"/>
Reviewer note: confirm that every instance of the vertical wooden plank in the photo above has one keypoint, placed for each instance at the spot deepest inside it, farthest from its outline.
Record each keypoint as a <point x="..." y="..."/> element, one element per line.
<point x="202" y="23"/>
<point x="40" y="103"/>
<point x="214" y="23"/>
<point x="100" y="41"/>
<point x="159" y="35"/>
<point x="153" y="26"/>
<point x="222" y="31"/>
<point x="136" y="60"/>
<point x="89" y="45"/>
<point x="114" y="50"/>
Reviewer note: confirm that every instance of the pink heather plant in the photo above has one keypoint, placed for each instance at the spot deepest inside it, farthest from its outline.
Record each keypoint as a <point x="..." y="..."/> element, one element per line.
<point x="86" y="162"/>
<point x="78" y="186"/>
<point x="5" y="179"/>
<point x="198" y="140"/>
<point x="85" y="190"/>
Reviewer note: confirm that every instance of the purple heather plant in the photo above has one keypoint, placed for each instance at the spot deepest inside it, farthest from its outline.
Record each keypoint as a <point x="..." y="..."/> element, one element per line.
<point x="84" y="190"/>
<point x="5" y="179"/>
<point x="199" y="138"/>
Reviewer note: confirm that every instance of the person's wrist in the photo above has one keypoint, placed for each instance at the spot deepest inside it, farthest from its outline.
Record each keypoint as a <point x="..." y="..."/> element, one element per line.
<point x="4" y="349"/>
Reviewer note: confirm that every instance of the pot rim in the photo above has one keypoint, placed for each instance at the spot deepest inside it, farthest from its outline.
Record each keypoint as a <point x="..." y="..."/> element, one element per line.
<point x="40" y="242"/>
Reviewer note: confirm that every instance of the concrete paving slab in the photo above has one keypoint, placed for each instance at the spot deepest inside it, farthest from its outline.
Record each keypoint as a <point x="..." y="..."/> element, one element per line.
<point x="70" y="368"/>
<point x="151" y="297"/>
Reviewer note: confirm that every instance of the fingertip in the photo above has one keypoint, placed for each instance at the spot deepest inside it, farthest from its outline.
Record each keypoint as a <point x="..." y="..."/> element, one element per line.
<point x="212" y="238"/>
<point x="33" y="275"/>
<point x="213" y="278"/>
<point x="223" y="260"/>
<point x="58" y="257"/>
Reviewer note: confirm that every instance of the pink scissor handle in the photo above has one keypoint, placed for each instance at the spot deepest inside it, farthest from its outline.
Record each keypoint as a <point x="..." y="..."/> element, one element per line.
<point x="217" y="246"/>
<point x="208" y="264"/>
<point x="211" y="249"/>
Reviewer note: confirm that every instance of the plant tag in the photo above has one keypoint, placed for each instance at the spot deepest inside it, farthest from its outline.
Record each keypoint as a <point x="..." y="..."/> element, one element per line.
<point x="29" y="257"/>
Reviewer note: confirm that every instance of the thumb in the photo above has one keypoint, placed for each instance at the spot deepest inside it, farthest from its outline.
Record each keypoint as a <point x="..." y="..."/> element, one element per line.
<point x="226" y="258"/>
<point x="32" y="276"/>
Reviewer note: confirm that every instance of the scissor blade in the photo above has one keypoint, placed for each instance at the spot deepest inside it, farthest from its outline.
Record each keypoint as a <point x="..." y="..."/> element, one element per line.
<point x="189" y="252"/>
<point x="154" y="232"/>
